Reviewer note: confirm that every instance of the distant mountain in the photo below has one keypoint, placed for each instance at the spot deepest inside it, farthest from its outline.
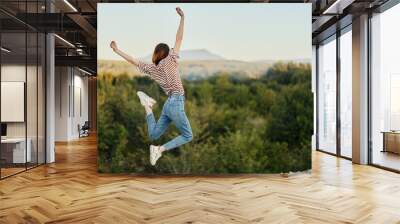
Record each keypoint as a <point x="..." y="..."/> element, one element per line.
<point x="199" y="55"/>
<point x="200" y="69"/>
<point x="194" y="55"/>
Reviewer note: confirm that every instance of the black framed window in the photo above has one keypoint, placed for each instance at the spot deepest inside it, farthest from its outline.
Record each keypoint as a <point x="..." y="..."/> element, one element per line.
<point x="334" y="94"/>
<point x="384" y="114"/>
<point x="22" y="76"/>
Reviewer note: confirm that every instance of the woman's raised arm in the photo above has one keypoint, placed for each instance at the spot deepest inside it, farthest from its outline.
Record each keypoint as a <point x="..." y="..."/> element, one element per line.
<point x="179" y="33"/>
<point x="127" y="57"/>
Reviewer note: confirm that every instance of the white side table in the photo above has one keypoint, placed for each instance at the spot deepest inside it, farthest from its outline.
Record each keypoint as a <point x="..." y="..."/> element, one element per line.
<point x="19" y="154"/>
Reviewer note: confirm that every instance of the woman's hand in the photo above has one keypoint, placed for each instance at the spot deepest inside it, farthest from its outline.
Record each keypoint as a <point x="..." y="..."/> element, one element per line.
<point x="180" y="12"/>
<point x="113" y="45"/>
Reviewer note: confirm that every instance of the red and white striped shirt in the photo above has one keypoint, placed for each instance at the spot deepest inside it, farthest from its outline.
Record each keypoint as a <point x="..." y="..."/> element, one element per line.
<point x="166" y="73"/>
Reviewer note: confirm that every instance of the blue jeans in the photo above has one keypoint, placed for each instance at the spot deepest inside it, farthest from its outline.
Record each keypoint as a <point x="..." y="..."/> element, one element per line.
<point x="173" y="111"/>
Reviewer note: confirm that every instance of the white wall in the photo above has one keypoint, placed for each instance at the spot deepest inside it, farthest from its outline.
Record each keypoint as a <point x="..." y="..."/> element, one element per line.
<point x="62" y="82"/>
<point x="71" y="94"/>
<point x="81" y="100"/>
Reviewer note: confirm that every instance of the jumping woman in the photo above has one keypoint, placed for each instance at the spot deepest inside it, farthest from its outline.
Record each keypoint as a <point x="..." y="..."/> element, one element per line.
<point x="164" y="70"/>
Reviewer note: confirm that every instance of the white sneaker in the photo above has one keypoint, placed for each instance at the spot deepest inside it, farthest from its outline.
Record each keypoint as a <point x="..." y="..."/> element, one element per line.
<point x="155" y="154"/>
<point x="145" y="100"/>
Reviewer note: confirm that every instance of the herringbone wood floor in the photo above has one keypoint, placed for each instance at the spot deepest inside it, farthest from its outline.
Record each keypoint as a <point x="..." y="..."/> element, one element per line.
<point x="71" y="191"/>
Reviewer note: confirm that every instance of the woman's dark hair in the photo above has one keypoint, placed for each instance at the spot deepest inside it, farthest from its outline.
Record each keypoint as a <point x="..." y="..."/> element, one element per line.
<point x="160" y="52"/>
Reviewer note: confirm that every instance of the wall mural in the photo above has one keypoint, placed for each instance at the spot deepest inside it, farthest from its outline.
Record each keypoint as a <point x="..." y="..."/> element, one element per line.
<point x="204" y="88"/>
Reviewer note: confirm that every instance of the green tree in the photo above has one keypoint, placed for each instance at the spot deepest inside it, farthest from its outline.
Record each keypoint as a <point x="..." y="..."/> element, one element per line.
<point x="240" y="125"/>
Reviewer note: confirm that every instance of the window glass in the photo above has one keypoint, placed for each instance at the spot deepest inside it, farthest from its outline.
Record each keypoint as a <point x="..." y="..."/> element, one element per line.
<point x="385" y="89"/>
<point x="327" y="96"/>
<point x="346" y="94"/>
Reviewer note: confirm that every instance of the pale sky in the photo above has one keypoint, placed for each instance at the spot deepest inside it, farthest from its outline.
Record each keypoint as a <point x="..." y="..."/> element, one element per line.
<point x="237" y="31"/>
